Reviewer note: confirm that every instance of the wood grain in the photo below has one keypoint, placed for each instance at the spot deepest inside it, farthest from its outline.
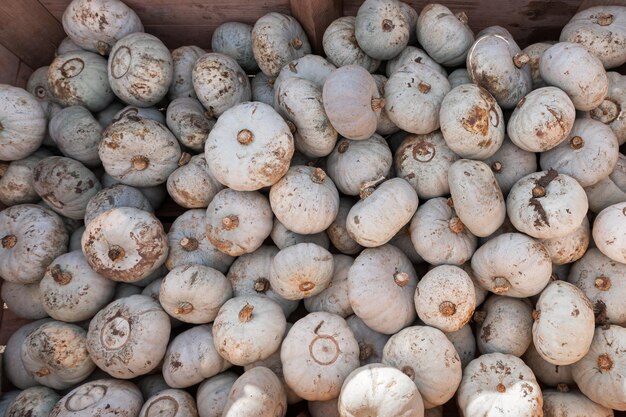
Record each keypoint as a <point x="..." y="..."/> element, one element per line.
<point x="529" y="21"/>
<point x="29" y="31"/>
<point x="23" y="74"/>
<point x="315" y="16"/>
<point x="9" y="66"/>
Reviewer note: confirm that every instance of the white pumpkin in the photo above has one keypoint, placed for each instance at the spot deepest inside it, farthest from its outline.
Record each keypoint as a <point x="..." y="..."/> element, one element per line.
<point x="33" y="402"/>
<point x="546" y="204"/>
<point x="31" y="237"/>
<point x="383" y="270"/>
<point x="24" y="300"/>
<point x="191" y="357"/>
<point x="337" y="231"/>
<point x="64" y="130"/>
<point x="138" y="151"/>
<point x="105" y="117"/>
<point x="380" y="390"/>
<point x="278" y="39"/>
<point x="213" y="393"/>
<point x="12" y="366"/>
<point x="249" y="147"/>
<point x="305" y="200"/>
<point x="476" y="196"/>
<point x="610" y="190"/>
<point x="426" y="356"/>
<point x="459" y="77"/>
<point x="534" y="52"/>
<point x="102" y="398"/>
<point x="512" y="264"/>
<point x="189" y="244"/>
<point x="571" y="247"/>
<point x="235" y="40"/>
<point x="140" y="69"/>
<point x="67" y="45"/>
<point x="472" y="122"/>
<point x="193" y="184"/>
<point x="445" y="36"/>
<point x="382" y="28"/>
<point x="384" y="126"/>
<point x="151" y="385"/>
<point x="598" y="375"/>
<point x="412" y="54"/>
<point x="16" y="183"/>
<point x="510" y="164"/>
<point x="80" y="79"/>
<point x="576" y="71"/>
<point x="550" y="374"/>
<point x="188" y="121"/>
<point x="183" y="60"/>
<point x="125" y="244"/>
<point x="371" y="343"/>
<point x="194" y="293"/>
<point x="445" y="298"/>
<point x="313" y="68"/>
<point x="71" y="291"/>
<point x="248" y="328"/>
<point x="152" y="113"/>
<point x="334" y="299"/>
<point x="176" y="403"/>
<point x="263" y="89"/>
<point x="22" y="123"/>
<point x="256" y="393"/>
<point x="609" y="111"/>
<point x="464" y="342"/>
<point x="341" y="47"/>
<point x="504" y="325"/>
<point x="117" y="195"/>
<point x="573" y="403"/>
<point x="498" y="385"/>
<point x="317" y="372"/>
<point x="56" y="355"/>
<point x="283" y="237"/>
<point x="128" y="337"/>
<point x="37" y="84"/>
<point x="609" y="232"/>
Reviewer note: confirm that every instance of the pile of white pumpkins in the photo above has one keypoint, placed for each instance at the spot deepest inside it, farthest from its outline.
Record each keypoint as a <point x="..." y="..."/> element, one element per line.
<point x="302" y="177"/>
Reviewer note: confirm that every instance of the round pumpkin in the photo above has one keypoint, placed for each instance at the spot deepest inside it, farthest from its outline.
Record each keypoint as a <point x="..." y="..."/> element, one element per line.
<point x="188" y="121"/>
<point x="183" y="60"/>
<point x="445" y="36"/>
<point x="213" y="393"/>
<point x="256" y="393"/>
<point x="235" y="40"/>
<point x="193" y="184"/>
<point x="176" y="403"/>
<point x="381" y="28"/>
<point x="102" y="398"/>
<point x="609" y="232"/>
<point x="341" y="47"/>
<point x="22" y="123"/>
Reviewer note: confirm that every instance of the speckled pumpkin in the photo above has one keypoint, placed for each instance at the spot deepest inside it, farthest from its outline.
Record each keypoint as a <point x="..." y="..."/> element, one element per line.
<point x="235" y="40"/>
<point x="382" y="28"/>
<point x="22" y="123"/>
<point x="341" y="48"/>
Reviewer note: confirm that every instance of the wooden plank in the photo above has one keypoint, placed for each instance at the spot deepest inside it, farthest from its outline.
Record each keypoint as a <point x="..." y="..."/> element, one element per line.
<point x="10" y="323"/>
<point x="9" y="66"/>
<point x="190" y="12"/>
<point x="529" y="21"/>
<point x="29" y="31"/>
<point x="23" y="74"/>
<point x="315" y="16"/>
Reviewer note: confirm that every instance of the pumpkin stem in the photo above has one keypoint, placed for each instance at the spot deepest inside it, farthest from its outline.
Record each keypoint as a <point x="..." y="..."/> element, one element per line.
<point x="296" y="43"/>
<point x="60" y="277"/>
<point x="479" y="316"/>
<point x="365" y="351"/>
<point x="447" y="308"/>
<point x="462" y="16"/>
<point x="539" y="191"/>
<point x="577" y="142"/>
<point x="245" y="137"/>
<point x="184" y="307"/>
<point x="562" y="387"/>
<point x="261" y="285"/>
<point x="40" y="92"/>
<point x="604" y="19"/>
<point x="401" y="279"/>
<point x="536" y="314"/>
<point x="368" y="187"/>
<point x="292" y="126"/>
<point x="116" y="253"/>
<point x="496" y="167"/>
<point x="184" y="159"/>
<point x="606" y="112"/>
<point x="189" y="243"/>
<point x="554" y="277"/>
<point x="605" y="363"/>
<point x="318" y="176"/>
<point x="245" y="315"/>
<point x="520" y="59"/>
<point x="42" y="372"/>
<point x="230" y="222"/>
<point x="456" y="225"/>
<point x="139" y="162"/>
<point x="408" y="371"/>
<point x="603" y="283"/>
<point x="387" y="25"/>
<point x="501" y="388"/>
<point x="450" y="202"/>
<point x="423" y="87"/>
<point x="343" y="146"/>
<point x="378" y="103"/>
<point x="293" y="67"/>
<point x="9" y="241"/>
<point x="306" y="286"/>
<point x="501" y="285"/>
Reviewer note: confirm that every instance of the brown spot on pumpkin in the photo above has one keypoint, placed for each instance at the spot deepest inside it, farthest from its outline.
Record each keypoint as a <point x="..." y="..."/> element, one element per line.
<point x="599" y="311"/>
<point x="477" y="121"/>
<point x="9" y="241"/>
<point x="423" y="87"/>
<point x="575" y="312"/>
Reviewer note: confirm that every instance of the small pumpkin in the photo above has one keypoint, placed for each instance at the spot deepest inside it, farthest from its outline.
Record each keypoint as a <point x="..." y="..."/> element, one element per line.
<point x="12" y="365"/>
<point x="246" y="155"/>
<point x="67" y="45"/>
<point x="283" y="237"/>
<point x="31" y="237"/>
<point x="608" y="232"/>
<point x="313" y="68"/>
<point x="238" y="222"/>
<point x="37" y="84"/>
<point x="189" y="244"/>
<point x="33" y="402"/>
<point x="382" y="390"/>
<point x="278" y="39"/>
<point x="428" y="358"/>
<point x="105" y="117"/>
<point x="125" y="244"/>
<point x="213" y="393"/>
<point x="22" y="123"/>
<point x="464" y="342"/>
<point x="609" y="111"/>
<point x="332" y="353"/>
<point x="71" y="291"/>
<point x="446" y="37"/>
<point x="383" y="270"/>
<point x="371" y="343"/>
<point x="412" y="54"/>
<point x="77" y="134"/>
<point x="56" y="355"/>
<point x="128" y="337"/>
<point x="445" y="298"/>
<point x="512" y="264"/>
<point x="546" y="204"/>
<point x="235" y="40"/>
<point x="576" y="71"/>
<point x="80" y="79"/>
<point x="610" y="190"/>
<point x="476" y="196"/>
<point x="24" y="300"/>
<point x="341" y="47"/>
<point x="138" y="151"/>
<point x="263" y="89"/>
<point x="381" y="28"/>
<point x="140" y="69"/>
<point x="177" y="403"/>
<point x="385" y="126"/>
<point x="550" y="374"/>
<point x="534" y="52"/>
<point x="248" y="328"/>
<point x="459" y="77"/>
<point x="151" y="385"/>
<point x="102" y="397"/>
<point x="191" y="357"/>
<point x="510" y="164"/>
<point x="183" y="60"/>
<point x="334" y="299"/>
<point x="338" y="232"/>
<point x="193" y="184"/>
<point x="504" y="324"/>
<point x="16" y="183"/>
<point x="188" y="121"/>
<point x="571" y="247"/>
<point x="256" y="393"/>
<point x="352" y="102"/>
<point x="602" y="31"/>
<point x="117" y="195"/>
